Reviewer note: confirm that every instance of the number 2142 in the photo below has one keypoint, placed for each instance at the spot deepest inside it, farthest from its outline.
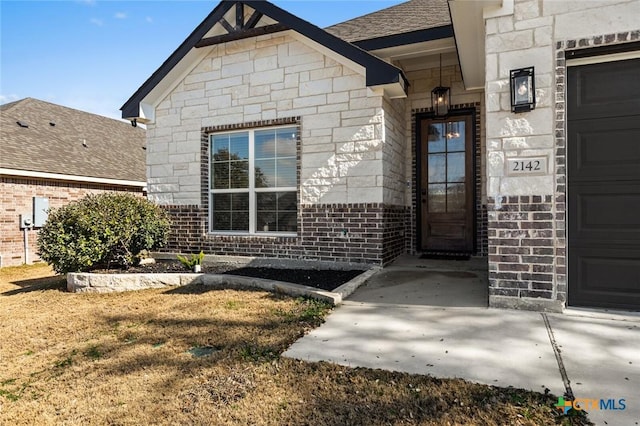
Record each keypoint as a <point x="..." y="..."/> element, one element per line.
<point x="530" y="166"/>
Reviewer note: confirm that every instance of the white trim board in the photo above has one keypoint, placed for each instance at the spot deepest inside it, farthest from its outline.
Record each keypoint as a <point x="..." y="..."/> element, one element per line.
<point x="73" y="178"/>
<point x="599" y="59"/>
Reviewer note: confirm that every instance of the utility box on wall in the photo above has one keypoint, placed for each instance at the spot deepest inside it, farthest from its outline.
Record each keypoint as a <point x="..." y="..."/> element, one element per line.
<point x="26" y="221"/>
<point x="40" y="211"/>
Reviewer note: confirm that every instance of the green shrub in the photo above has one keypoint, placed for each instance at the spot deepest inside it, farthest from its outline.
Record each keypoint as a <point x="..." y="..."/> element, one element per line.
<point x="102" y="231"/>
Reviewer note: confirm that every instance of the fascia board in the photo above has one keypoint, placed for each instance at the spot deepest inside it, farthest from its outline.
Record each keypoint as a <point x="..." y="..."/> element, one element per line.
<point x="74" y="178"/>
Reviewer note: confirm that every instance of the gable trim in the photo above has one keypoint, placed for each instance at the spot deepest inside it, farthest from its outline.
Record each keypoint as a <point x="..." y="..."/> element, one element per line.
<point x="239" y="35"/>
<point x="412" y="37"/>
<point x="377" y="71"/>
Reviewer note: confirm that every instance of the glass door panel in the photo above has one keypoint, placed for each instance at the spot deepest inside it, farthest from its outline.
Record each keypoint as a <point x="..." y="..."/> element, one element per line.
<point x="446" y="165"/>
<point x="446" y="185"/>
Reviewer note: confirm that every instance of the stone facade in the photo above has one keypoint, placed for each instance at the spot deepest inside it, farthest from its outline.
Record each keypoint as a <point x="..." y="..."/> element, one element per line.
<point x="350" y="168"/>
<point x="537" y="34"/>
<point x="356" y="150"/>
<point x="266" y="78"/>
<point x="16" y="197"/>
<point x="356" y="156"/>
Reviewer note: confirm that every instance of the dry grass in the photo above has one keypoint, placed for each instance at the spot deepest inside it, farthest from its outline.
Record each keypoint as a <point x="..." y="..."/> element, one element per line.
<point x="124" y="358"/>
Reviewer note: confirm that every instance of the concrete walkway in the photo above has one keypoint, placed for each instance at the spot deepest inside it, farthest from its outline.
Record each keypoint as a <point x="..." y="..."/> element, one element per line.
<point x="431" y="318"/>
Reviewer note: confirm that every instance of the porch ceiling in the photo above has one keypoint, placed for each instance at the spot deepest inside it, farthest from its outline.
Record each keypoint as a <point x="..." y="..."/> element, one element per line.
<point x="468" y="18"/>
<point x="417" y="51"/>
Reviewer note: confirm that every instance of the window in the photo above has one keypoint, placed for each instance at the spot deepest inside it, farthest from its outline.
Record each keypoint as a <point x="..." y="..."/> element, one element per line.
<point x="253" y="181"/>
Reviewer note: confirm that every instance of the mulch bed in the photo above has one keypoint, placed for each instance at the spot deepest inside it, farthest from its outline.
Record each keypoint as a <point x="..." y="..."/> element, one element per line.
<point x="324" y="279"/>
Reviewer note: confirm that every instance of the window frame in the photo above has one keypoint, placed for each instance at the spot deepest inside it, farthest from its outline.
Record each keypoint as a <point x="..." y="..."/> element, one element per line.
<point x="251" y="190"/>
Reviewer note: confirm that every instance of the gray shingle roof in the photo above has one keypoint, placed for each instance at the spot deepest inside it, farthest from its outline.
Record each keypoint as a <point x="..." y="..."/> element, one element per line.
<point x="113" y="148"/>
<point x="402" y="18"/>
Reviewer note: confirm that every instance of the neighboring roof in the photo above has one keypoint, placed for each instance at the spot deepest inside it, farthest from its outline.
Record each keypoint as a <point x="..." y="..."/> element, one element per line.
<point x="67" y="141"/>
<point x="412" y="16"/>
<point x="378" y="72"/>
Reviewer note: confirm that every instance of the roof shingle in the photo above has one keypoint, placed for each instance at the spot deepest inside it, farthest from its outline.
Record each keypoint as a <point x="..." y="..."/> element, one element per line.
<point x="402" y="18"/>
<point x="70" y="142"/>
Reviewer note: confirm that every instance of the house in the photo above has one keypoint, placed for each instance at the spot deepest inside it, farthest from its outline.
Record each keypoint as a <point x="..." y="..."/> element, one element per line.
<point x="51" y="155"/>
<point x="498" y="128"/>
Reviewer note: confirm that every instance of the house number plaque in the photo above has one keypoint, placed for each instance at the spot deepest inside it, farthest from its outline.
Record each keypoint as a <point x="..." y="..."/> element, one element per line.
<point x="527" y="166"/>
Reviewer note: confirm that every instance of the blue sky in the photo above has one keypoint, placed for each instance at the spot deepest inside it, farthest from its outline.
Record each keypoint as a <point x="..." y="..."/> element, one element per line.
<point x="92" y="55"/>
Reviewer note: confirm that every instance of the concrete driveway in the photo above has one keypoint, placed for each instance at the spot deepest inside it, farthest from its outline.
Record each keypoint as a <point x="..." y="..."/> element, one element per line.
<point x="408" y="318"/>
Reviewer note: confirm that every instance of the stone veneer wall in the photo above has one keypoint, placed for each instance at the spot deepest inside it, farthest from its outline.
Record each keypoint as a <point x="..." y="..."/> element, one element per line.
<point x="345" y="138"/>
<point x="394" y="151"/>
<point x="16" y="197"/>
<point x="266" y="78"/>
<point x="523" y="211"/>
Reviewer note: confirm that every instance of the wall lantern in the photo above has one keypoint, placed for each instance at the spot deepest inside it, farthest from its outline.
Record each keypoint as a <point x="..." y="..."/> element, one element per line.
<point x="440" y="97"/>
<point x="523" y="90"/>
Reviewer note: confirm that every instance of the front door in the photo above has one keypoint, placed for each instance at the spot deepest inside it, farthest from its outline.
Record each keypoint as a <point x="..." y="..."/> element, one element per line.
<point x="446" y="184"/>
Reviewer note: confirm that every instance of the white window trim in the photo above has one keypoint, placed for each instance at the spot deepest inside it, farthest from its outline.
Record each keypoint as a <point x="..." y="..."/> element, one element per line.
<point x="613" y="57"/>
<point x="252" y="189"/>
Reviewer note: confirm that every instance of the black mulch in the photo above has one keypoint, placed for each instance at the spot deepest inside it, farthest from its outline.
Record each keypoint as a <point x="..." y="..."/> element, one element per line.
<point x="324" y="279"/>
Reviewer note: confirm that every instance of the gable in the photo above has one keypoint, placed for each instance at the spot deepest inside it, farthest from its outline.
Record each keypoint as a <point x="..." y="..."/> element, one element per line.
<point x="231" y="21"/>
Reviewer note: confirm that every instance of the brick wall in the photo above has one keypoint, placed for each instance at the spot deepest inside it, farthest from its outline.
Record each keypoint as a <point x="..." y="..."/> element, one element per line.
<point x="16" y="197"/>
<point x="394" y="220"/>
<point x="522" y="261"/>
<point x="360" y="233"/>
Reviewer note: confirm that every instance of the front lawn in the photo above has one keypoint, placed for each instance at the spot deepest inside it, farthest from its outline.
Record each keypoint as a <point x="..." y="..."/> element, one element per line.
<point x="193" y="356"/>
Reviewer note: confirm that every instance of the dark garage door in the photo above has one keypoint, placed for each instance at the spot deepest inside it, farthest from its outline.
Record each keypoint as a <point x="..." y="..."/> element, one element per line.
<point x="603" y="194"/>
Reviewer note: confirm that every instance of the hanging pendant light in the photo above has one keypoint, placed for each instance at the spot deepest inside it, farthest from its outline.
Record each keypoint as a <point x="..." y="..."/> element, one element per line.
<point x="453" y="130"/>
<point x="440" y="97"/>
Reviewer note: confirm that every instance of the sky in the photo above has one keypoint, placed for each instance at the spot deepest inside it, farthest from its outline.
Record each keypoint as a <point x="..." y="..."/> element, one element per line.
<point x="93" y="55"/>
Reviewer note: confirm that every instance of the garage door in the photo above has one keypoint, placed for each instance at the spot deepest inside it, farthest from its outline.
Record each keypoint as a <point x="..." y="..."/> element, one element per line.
<point x="603" y="175"/>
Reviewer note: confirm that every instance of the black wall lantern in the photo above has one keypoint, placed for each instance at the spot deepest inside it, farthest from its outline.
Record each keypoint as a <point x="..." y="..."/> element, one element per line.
<point x="440" y="97"/>
<point x="523" y="90"/>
